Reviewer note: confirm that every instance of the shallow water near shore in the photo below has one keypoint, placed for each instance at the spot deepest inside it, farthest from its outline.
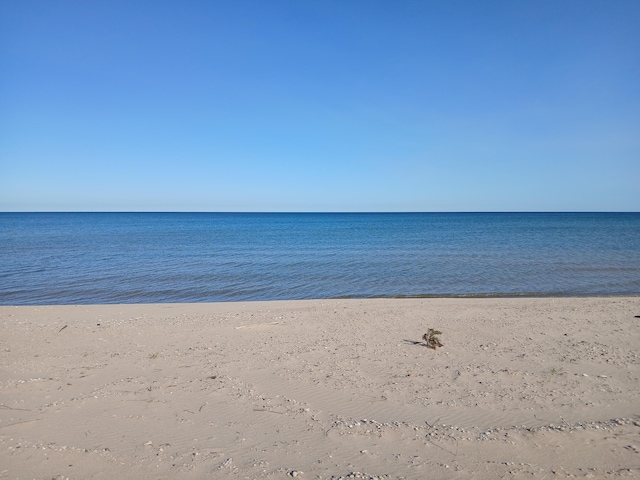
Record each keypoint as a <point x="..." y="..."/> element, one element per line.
<point x="82" y="258"/>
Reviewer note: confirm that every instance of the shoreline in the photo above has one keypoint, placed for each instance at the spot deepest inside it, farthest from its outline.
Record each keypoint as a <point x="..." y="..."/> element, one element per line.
<point x="425" y="296"/>
<point x="523" y="386"/>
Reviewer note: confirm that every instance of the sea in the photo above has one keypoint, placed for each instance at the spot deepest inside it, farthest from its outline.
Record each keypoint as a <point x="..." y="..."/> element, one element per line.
<point x="102" y="258"/>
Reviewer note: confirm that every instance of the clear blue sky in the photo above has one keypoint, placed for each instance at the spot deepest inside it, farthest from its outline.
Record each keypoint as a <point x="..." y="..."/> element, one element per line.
<point x="306" y="105"/>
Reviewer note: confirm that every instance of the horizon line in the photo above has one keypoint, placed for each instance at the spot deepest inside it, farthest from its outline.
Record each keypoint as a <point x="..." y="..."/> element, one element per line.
<point x="319" y="211"/>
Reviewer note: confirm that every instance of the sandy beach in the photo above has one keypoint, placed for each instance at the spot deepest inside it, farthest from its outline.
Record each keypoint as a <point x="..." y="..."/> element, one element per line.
<point x="522" y="388"/>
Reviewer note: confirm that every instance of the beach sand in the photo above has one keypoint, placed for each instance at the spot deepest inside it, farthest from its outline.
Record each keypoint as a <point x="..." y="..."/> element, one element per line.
<point x="523" y="388"/>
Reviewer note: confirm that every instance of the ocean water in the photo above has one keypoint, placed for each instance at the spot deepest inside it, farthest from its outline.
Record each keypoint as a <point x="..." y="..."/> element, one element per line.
<point x="84" y="258"/>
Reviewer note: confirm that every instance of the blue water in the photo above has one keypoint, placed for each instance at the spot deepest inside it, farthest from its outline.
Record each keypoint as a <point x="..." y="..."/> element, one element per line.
<point x="72" y="258"/>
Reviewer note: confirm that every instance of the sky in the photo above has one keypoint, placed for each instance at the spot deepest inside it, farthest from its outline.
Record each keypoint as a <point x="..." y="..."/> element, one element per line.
<point x="304" y="105"/>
